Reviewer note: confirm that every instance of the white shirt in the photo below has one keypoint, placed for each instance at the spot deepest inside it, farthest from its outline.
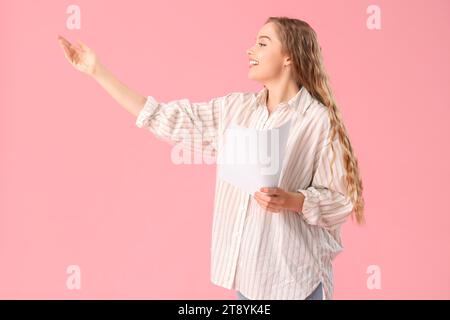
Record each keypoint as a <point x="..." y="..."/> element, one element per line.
<point x="262" y="254"/>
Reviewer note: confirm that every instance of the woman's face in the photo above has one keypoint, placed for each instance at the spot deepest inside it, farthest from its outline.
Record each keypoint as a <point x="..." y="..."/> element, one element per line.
<point x="267" y="52"/>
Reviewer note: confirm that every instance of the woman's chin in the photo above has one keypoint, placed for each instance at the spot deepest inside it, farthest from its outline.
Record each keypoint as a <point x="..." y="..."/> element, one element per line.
<point x="251" y="75"/>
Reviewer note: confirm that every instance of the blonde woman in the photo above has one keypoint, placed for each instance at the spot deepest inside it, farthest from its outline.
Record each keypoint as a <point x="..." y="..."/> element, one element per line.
<point x="277" y="243"/>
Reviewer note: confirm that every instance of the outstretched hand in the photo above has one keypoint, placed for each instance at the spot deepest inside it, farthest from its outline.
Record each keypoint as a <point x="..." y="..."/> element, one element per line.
<point x="80" y="56"/>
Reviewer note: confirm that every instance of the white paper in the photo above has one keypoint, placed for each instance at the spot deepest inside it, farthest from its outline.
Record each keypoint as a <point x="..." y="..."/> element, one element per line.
<point x="251" y="159"/>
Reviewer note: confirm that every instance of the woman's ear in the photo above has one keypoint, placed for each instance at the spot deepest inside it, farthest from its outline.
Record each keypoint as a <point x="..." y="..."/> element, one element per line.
<point x="287" y="61"/>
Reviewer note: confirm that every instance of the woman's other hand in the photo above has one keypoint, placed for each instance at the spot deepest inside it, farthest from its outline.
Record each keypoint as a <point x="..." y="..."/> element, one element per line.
<point x="277" y="199"/>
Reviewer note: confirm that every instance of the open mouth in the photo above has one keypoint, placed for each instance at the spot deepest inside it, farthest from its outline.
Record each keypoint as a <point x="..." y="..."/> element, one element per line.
<point x="253" y="62"/>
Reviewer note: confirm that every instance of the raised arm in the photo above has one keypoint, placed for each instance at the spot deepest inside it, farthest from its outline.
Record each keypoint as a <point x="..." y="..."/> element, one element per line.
<point x="84" y="59"/>
<point x="194" y="124"/>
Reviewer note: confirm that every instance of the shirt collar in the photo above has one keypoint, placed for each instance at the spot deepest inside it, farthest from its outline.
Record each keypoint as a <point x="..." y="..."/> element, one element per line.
<point x="302" y="99"/>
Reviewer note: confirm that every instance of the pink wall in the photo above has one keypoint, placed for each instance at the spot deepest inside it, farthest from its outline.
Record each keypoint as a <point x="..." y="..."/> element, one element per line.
<point x="80" y="184"/>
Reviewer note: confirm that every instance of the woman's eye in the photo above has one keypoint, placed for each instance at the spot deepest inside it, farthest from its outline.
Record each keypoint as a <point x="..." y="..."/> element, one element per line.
<point x="261" y="44"/>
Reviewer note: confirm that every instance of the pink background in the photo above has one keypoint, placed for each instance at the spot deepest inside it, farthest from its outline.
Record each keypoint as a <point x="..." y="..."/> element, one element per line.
<point x="81" y="184"/>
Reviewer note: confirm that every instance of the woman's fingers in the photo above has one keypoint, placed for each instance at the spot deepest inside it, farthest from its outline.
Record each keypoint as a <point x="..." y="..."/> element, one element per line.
<point x="68" y="53"/>
<point x="263" y="196"/>
<point x="272" y="208"/>
<point x="271" y="190"/>
<point x="268" y="206"/>
<point x="267" y="198"/>
<point x="71" y="52"/>
<point x="63" y="41"/>
<point x="66" y="44"/>
<point x="270" y="203"/>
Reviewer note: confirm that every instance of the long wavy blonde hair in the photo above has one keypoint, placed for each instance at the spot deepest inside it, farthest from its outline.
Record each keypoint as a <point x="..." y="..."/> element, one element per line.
<point x="300" y="42"/>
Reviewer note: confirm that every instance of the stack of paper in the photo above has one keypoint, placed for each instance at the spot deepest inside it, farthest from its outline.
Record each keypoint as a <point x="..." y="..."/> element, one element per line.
<point x="250" y="158"/>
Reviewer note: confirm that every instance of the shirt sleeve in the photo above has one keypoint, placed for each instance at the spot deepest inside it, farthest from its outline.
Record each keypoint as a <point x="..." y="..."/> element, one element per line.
<point x="324" y="205"/>
<point x="194" y="124"/>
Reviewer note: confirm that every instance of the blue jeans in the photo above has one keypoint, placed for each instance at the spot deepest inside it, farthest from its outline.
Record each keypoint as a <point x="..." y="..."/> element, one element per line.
<point x="315" y="295"/>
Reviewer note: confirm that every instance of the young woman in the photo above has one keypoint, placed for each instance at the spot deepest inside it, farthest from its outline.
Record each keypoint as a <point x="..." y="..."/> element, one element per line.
<point x="277" y="243"/>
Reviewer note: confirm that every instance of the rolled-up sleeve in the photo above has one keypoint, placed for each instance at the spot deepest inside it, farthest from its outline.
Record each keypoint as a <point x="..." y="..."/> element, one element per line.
<point x="194" y="124"/>
<point x="327" y="205"/>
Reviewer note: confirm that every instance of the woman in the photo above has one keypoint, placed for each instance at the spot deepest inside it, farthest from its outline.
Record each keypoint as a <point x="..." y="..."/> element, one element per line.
<point x="277" y="243"/>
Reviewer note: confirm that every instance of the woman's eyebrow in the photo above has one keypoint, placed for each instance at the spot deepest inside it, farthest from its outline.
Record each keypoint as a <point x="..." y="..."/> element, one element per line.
<point x="264" y="37"/>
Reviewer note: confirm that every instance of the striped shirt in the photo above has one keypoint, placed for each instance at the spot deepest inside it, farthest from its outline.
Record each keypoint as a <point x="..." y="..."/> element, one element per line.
<point x="262" y="254"/>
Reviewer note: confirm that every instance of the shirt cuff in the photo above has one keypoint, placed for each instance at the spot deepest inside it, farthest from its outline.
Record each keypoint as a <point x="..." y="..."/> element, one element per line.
<point x="147" y="111"/>
<point x="311" y="210"/>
